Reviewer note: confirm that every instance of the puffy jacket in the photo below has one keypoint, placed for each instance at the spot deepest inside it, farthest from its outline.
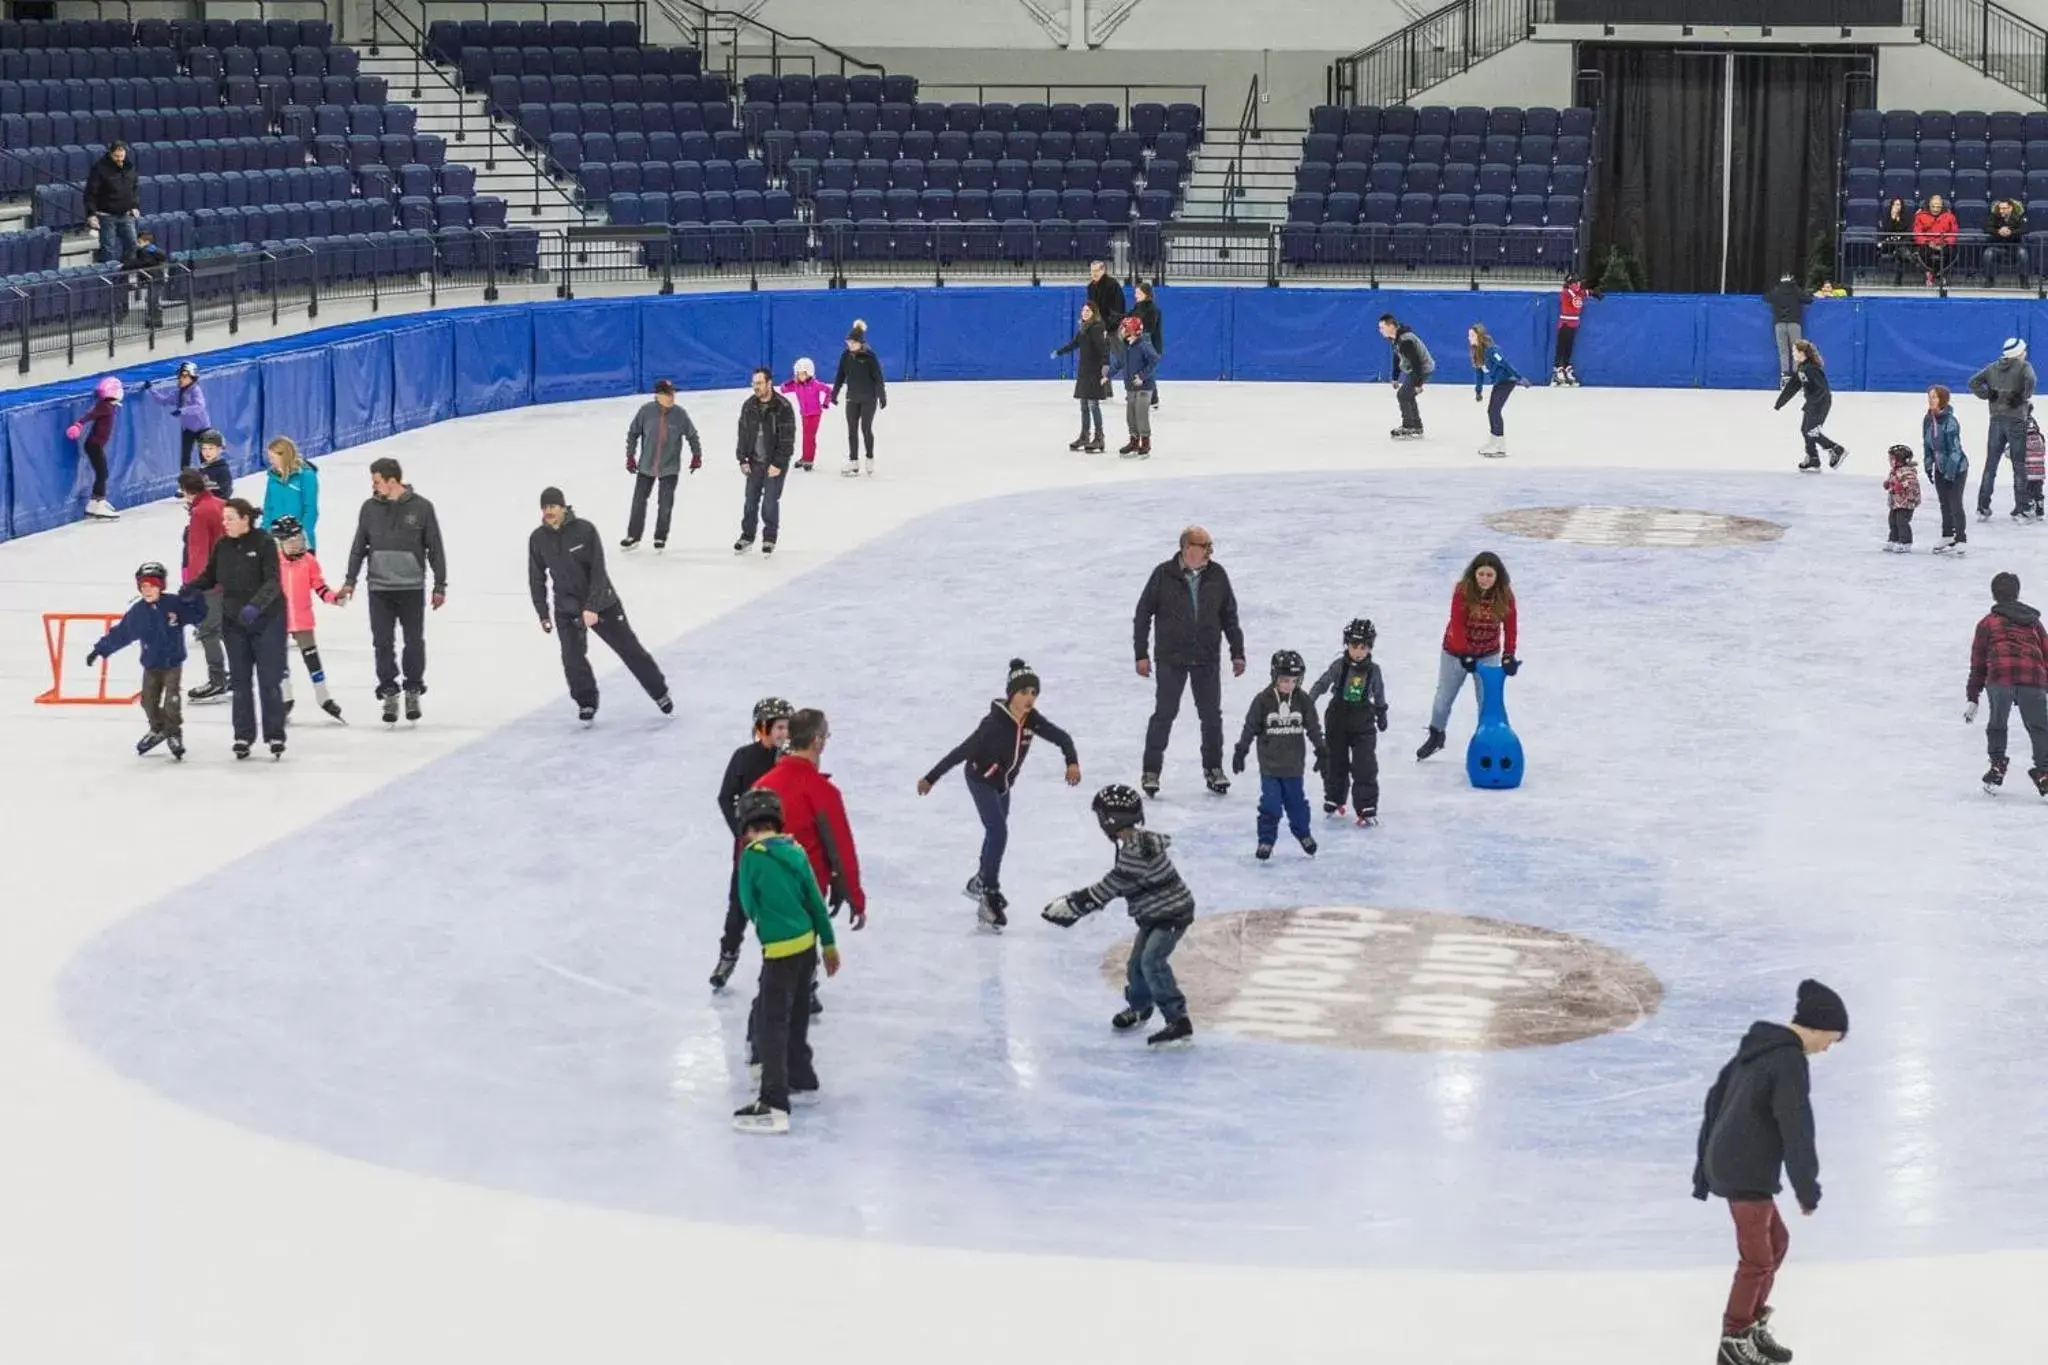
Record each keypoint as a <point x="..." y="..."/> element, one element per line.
<point x="815" y="816"/>
<point x="1091" y="364"/>
<point x="400" y="539"/>
<point x="1941" y="441"/>
<point x="300" y="580"/>
<point x="1934" y="229"/>
<point x="220" y="474"/>
<point x="1903" y="483"/>
<point x="1475" y="630"/>
<point x="1107" y="295"/>
<point x="112" y="188"/>
<point x="1137" y="362"/>
<point x="187" y="402"/>
<point x="999" y="745"/>
<point x="97" y="426"/>
<point x="297" y="496"/>
<point x="244" y="568"/>
<point x="2009" y="650"/>
<point x="1191" y="613"/>
<point x="159" y="627"/>
<point x="656" y="435"/>
<point x="1759" y="1118"/>
<point x="780" y="898"/>
<point x="1411" y="357"/>
<point x="813" y="395"/>
<point x="202" y="528"/>
<point x="860" y="374"/>
<point x="779" y="415"/>
<point x="573" y="555"/>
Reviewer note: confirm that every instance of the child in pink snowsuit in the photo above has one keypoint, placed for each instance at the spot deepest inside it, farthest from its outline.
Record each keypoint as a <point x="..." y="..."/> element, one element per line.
<point x="299" y="581"/>
<point x="812" y="398"/>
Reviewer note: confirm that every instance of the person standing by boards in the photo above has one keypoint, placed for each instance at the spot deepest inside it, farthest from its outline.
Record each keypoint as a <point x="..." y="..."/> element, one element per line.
<point x="96" y="429"/>
<point x="1571" y="303"/>
<point x="1811" y="376"/>
<point x="860" y="375"/>
<point x="571" y="553"/>
<point x="1787" y="302"/>
<point x="187" y="402"/>
<point x="654" y="454"/>
<point x="1106" y="295"/>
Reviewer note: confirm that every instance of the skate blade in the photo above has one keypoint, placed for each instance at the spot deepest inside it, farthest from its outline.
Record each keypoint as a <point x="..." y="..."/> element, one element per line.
<point x="1177" y="1045"/>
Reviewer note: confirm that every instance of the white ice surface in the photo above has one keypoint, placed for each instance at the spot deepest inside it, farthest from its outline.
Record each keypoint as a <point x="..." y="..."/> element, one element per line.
<point x="1747" y="764"/>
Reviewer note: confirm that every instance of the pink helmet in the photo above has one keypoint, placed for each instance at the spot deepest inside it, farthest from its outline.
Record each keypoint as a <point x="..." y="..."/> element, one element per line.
<point x="110" y="387"/>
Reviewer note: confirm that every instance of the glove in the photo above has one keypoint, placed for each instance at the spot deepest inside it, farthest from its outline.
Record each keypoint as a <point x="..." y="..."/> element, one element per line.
<point x="632" y="465"/>
<point x="1511" y="665"/>
<point x="1319" y="761"/>
<point x="1478" y="397"/>
<point x="1062" y="913"/>
<point x="1970" y="714"/>
<point x="74" y="431"/>
<point x="695" y="462"/>
<point x="1468" y="661"/>
<point x="248" y="614"/>
<point x="92" y="656"/>
<point x="884" y="404"/>
<point x="1237" y="763"/>
<point x="1379" y="717"/>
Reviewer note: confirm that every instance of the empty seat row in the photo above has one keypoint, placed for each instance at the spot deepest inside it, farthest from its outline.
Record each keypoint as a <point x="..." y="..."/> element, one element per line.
<point x="415" y="180"/>
<point x="1016" y="241"/>
<point x="225" y="33"/>
<point x="392" y="149"/>
<point x="1527" y="210"/>
<point x="600" y="178"/>
<point x="36" y="249"/>
<point x="539" y="122"/>
<point x="22" y="131"/>
<point x="507" y="93"/>
<point x="1552" y="249"/>
<point x="565" y="151"/>
<point x="64" y="205"/>
<point x="630" y="209"/>
<point x="976" y="174"/>
<point x="273" y="61"/>
<point x="74" y="163"/>
<point x="759" y="116"/>
<point x="1399" y="148"/>
<point x="451" y="211"/>
<point x="114" y="94"/>
<point x="1352" y="177"/>
<point x="1865" y="154"/>
<point x="802" y="87"/>
<point x="61" y="63"/>
<point x="338" y="120"/>
<point x="448" y="39"/>
<point x="207" y="228"/>
<point x="1117" y="207"/>
<point x="2007" y="125"/>
<point x="482" y="66"/>
<point x="308" y="91"/>
<point x="1915" y="186"/>
<point x="851" y="144"/>
<point x="1441" y="121"/>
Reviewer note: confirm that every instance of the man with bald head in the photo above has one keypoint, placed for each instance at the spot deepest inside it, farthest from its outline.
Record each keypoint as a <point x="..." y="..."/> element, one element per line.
<point x="1185" y="612"/>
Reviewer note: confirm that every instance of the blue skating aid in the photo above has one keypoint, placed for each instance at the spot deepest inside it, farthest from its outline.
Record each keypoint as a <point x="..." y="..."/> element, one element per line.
<point x="1494" y="757"/>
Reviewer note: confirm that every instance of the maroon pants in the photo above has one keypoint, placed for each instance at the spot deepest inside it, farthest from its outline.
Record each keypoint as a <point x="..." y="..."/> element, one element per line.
<point x="1760" y="1245"/>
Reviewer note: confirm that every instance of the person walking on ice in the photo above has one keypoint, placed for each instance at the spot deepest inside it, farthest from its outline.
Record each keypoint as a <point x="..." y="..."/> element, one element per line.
<point x="2007" y="386"/>
<point x="1810" y="376"/>
<point x="398" y="538"/>
<point x="156" y="621"/>
<point x="767" y="443"/>
<point x="1091" y="377"/>
<point x="654" y="456"/>
<point x="1948" y="469"/>
<point x="1137" y="362"/>
<point x="860" y="375"/>
<point x="1413" y="365"/>
<point x="300" y="581"/>
<point x="813" y="395"/>
<point x="1357" y="716"/>
<point x="2009" y="660"/>
<point x="570" y="552"/>
<point x="1282" y="722"/>
<point x="1489" y="366"/>
<point x="749" y="764"/>
<point x="1194" y="608"/>
<point x="1481" y="630"/>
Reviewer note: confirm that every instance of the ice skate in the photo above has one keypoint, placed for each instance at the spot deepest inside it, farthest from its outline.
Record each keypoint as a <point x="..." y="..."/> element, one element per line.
<point x="1810" y="465"/>
<point x="207" y="692"/>
<point x="991" y="910"/>
<point x="148" y="742"/>
<point x="1836" y="456"/>
<point x="1218" y="780"/>
<point x="1142" y="451"/>
<point x="2020" y="516"/>
<point x="412" y="703"/>
<point x="805" y="1095"/>
<point x="722" y="973"/>
<point x="1308" y="844"/>
<point x="1767" y="1345"/>
<point x="660" y="545"/>
<point x="1127" y="1018"/>
<point x="1149" y="784"/>
<point x="665" y="704"/>
<point x="1430" y="745"/>
<point x="1942" y="546"/>
<point x="587" y="714"/>
<point x="99" y="509"/>
<point x="1983" y="514"/>
<point x="1179" y="1032"/>
<point x="391" y="709"/>
<point x="852" y="470"/>
<point x="1495" y="449"/>
<point x="242" y="747"/>
<point x="1129" y="447"/>
<point x="332" y="708"/>
<point x="759" y="1120"/>
<point x="973" y="888"/>
<point x="767" y="547"/>
<point x="1994" y="776"/>
<point x="1078" y="443"/>
<point x="1740" y="1350"/>
<point x="1571" y="377"/>
<point x="1368" y="817"/>
<point x="1406" y="433"/>
<point x="276" y="750"/>
<point x="868" y="466"/>
<point x="807" y="466"/>
<point x="1557" y="374"/>
<point x="742" y="545"/>
<point x="1263" y="852"/>
<point x="2040" y="776"/>
<point x="1333" y="810"/>
<point x="176" y="743"/>
<point x="630" y="543"/>
<point x="1096" y="446"/>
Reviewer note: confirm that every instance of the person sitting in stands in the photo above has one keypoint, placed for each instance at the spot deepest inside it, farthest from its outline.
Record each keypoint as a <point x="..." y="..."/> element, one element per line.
<point x="1934" y="232"/>
<point x="2006" y="233"/>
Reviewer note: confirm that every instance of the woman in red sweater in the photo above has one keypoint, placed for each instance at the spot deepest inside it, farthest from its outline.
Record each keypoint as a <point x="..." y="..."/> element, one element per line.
<point x="1481" y="630"/>
<point x="1934" y="232"/>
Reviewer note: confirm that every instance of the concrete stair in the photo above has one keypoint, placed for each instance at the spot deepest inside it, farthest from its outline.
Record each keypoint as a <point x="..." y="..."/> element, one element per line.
<point x="1265" y="179"/>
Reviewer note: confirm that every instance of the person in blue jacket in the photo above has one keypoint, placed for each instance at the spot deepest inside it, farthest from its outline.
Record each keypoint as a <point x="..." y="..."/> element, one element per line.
<point x="1948" y="469"/>
<point x="1489" y="366"/>
<point x="187" y="402"/>
<point x="292" y="490"/>
<point x="1138" y="361"/>
<point x="156" y="621"/>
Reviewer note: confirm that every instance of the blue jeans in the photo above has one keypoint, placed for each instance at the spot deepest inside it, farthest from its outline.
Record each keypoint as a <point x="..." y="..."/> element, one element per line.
<point x="1091" y="417"/>
<point x="994" y="809"/>
<point x="1278" y="792"/>
<point x="1450" y="677"/>
<point x="1149" y="979"/>
<point x="117" y="238"/>
<point x="2009" y="438"/>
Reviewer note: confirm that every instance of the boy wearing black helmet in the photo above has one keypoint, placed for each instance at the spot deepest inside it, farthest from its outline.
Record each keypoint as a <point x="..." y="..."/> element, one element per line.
<point x="780" y="895"/>
<point x="749" y="764"/>
<point x="1283" y="722"/>
<point x="1357" y="715"/>
<point x="156" y="621"/>
<point x="1159" y="901"/>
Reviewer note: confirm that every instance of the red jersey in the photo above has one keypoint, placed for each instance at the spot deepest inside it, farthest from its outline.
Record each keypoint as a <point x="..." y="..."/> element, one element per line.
<point x="1570" y="303"/>
<point x="815" y="816"/>
<point x="1474" y="629"/>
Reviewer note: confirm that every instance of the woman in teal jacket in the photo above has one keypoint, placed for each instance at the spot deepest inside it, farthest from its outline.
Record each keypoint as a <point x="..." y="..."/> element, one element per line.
<point x="293" y="489"/>
<point x="1948" y="468"/>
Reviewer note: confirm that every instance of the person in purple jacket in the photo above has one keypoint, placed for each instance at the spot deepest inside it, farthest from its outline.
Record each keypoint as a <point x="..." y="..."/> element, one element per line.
<point x="187" y="402"/>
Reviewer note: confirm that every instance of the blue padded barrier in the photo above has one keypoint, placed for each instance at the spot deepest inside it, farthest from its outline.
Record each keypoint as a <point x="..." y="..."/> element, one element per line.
<point x="6" y="487"/>
<point x="987" y="334"/>
<point x="234" y="400"/>
<point x="493" y="360"/>
<point x="298" y="399"/>
<point x="422" y="374"/>
<point x="579" y="351"/>
<point x="1913" y="343"/>
<point x="1646" y="341"/>
<point x="710" y="342"/>
<point x="362" y="376"/>
<point x="1200" y="328"/>
<point x="816" y="325"/>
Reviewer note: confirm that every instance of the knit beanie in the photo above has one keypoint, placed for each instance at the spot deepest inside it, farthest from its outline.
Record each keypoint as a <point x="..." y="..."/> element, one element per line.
<point x="1820" y="1008"/>
<point x="552" y="497"/>
<point x="2015" y="348"/>
<point x="858" y="332"/>
<point x="1021" y="676"/>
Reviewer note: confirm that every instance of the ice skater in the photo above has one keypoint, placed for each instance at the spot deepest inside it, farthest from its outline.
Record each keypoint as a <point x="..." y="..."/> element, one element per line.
<point x="860" y="375"/>
<point x="654" y="456"/>
<point x="813" y="395"/>
<point x="1902" y="495"/>
<point x="1759" y="1120"/>
<point x="202" y="530"/>
<point x="749" y="764"/>
<point x="766" y="446"/>
<point x="815" y="815"/>
<point x="1356" y="717"/>
<point x="2037" y="465"/>
<point x="1489" y="366"/>
<point x="568" y="550"/>
<point x="1146" y="309"/>
<point x="156" y="621"/>
<point x="96" y="428"/>
<point x="1195" y="608"/>
<point x="2007" y="386"/>
<point x="1091" y="378"/>
<point x="1282" y="722"/>
<point x="291" y="488"/>
<point x="1481" y="630"/>
<point x="1413" y="365"/>
<point x="994" y="754"/>
<point x="1948" y="468"/>
<point x="300" y="580"/>
<point x="1810" y="376"/>
<point x="187" y="401"/>
<point x="1137" y="362"/>
<point x="2009" y="660"/>
<point x="398" y="536"/>
<point x="1571" y="304"/>
<point x="244" y="566"/>
<point x="1159" y="901"/>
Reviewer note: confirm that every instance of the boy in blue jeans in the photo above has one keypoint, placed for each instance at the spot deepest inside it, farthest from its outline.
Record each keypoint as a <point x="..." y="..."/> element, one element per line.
<point x="1283" y="721"/>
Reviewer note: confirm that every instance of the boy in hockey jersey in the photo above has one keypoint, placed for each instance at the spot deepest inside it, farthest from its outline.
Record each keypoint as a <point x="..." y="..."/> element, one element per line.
<point x="1283" y="722"/>
<point x="1159" y="901"/>
<point x="1352" y="725"/>
<point x="749" y="764"/>
<point x="300" y="581"/>
<point x="1902" y="485"/>
<point x="156" y="622"/>
<point x="2009" y="657"/>
<point x="782" y="901"/>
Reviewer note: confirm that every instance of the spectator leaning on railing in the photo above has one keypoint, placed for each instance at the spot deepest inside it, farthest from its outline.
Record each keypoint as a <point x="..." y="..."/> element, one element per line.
<point x="1934" y="232"/>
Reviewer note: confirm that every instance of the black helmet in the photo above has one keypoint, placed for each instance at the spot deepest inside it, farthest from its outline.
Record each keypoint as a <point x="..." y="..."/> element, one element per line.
<point x="1901" y="454"/>
<point x="152" y="569"/>
<point x="1118" y="808"/>
<point x="284" y="528"/>
<point x="768" y="710"/>
<point x="212" y="437"/>
<point x="1360" y="632"/>
<point x="758" y="806"/>
<point x="1288" y="664"/>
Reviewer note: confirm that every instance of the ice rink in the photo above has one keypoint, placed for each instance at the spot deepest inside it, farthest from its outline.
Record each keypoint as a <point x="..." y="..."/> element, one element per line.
<point x="401" y="1051"/>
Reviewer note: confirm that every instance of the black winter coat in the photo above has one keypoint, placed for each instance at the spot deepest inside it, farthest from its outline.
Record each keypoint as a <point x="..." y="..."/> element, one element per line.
<point x="1814" y="380"/>
<point x="860" y="374"/>
<point x="780" y="416"/>
<point x="1758" y="1118"/>
<point x="1108" y="297"/>
<point x="1147" y="312"/>
<point x="112" y="189"/>
<point x="574" y="557"/>
<point x="996" y="750"/>
<point x="748" y="765"/>
<point x="1091" y="366"/>
<point x="1192" y="616"/>
<point x="244" y="568"/>
<point x="1787" y="301"/>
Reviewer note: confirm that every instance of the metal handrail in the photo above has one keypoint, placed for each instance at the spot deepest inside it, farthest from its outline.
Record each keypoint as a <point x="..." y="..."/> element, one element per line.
<point x="638" y="7"/>
<point x="1247" y="130"/>
<point x="1394" y="67"/>
<point x="711" y="20"/>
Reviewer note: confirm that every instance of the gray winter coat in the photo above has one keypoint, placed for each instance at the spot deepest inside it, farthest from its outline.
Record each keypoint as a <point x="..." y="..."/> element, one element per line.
<point x="2007" y="383"/>
<point x="1284" y="728"/>
<point x="400" y="538"/>
<point x="657" y="434"/>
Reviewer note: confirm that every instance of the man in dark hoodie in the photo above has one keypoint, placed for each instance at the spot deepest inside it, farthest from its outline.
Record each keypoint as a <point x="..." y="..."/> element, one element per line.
<point x="399" y="537"/>
<point x="113" y="201"/>
<point x="2007" y="384"/>
<point x="1190" y="602"/>
<point x="1787" y="303"/>
<point x="569" y="551"/>
<point x="1413" y="366"/>
<point x="2009" y="656"/>
<point x="1759" y="1118"/>
<point x="2005" y="239"/>
<point x="654" y="452"/>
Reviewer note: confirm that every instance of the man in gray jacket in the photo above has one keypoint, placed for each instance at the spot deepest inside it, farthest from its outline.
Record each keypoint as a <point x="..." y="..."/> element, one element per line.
<point x="399" y="538"/>
<point x="2007" y="384"/>
<point x="654" y="451"/>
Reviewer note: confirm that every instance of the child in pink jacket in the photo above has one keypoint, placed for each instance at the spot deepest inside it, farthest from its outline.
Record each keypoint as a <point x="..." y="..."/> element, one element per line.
<point x="299" y="581"/>
<point x="812" y="398"/>
<point x="1903" y="486"/>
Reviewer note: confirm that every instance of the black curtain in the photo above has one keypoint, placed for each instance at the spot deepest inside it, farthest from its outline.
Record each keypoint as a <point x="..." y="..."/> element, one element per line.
<point x="1659" y="178"/>
<point x="1788" y="116"/>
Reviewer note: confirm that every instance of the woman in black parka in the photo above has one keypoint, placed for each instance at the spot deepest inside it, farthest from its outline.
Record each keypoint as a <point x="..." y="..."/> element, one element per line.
<point x="1146" y="309"/>
<point x="1091" y="377"/>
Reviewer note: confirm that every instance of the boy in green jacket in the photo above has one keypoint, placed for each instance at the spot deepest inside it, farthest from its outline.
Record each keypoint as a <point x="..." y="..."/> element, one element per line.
<point x="779" y="893"/>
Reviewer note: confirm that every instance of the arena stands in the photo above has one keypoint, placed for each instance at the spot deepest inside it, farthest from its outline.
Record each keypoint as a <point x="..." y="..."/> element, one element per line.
<point x="1970" y="158"/>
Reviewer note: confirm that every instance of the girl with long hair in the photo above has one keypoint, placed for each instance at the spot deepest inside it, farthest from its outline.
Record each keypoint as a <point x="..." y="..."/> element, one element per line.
<point x="292" y="489"/>
<point x="1489" y="366"/>
<point x="1948" y="469"/>
<point x="1481" y="630"/>
<point x="1810" y="375"/>
<point x="1091" y="377"/>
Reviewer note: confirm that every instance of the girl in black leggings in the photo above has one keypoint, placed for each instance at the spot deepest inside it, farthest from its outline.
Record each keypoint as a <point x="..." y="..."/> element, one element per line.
<point x="97" y="427"/>
<point x="860" y="375"/>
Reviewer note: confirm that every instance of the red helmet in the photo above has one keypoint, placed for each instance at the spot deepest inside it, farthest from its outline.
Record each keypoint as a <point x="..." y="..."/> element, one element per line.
<point x="1131" y="325"/>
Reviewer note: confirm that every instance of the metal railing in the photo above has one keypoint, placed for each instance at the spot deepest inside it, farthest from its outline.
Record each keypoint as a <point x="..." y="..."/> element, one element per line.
<point x="1247" y="131"/>
<point x="1075" y="92"/>
<point x="1433" y="49"/>
<point x="718" y="30"/>
<point x="2004" y="46"/>
<point x="636" y="9"/>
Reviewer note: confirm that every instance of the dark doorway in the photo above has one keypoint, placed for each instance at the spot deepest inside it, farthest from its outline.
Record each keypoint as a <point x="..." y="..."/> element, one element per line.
<point x="1785" y="159"/>
<point x="1659" y="190"/>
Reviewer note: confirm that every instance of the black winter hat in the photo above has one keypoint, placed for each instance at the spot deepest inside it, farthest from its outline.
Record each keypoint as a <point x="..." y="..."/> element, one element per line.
<point x="552" y="497"/>
<point x="1820" y="1008"/>
<point x="1022" y="675"/>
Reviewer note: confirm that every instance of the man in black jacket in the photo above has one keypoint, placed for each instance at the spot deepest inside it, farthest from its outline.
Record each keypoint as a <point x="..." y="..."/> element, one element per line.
<point x="1107" y="294"/>
<point x="1413" y="365"/>
<point x="1787" y="302"/>
<point x="1190" y="599"/>
<point x="113" y="201"/>
<point x="1758" y="1119"/>
<point x="2005" y="239"/>
<point x="767" y="441"/>
<point x="569" y="551"/>
<point x="399" y="538"/>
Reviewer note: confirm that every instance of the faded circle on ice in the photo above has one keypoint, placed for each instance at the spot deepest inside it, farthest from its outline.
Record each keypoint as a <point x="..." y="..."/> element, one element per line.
<point x="1629" y="527"/>
<point x="1353" y="976"/>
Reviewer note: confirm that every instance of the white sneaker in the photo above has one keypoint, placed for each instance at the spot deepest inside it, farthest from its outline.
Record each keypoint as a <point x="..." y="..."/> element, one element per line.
<point x="102" y="510"/>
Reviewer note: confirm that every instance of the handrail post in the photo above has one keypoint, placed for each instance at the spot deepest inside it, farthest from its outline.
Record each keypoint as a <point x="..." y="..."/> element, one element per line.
<point x="22" y="310"/>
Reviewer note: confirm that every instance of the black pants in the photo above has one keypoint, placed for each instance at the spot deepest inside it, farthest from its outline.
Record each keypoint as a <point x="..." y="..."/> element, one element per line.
<point x="764" y="504"/>
<point x="2033" y="705"/>
<point x="1206" y="682"/>
<point x="1354" y="766"/>
<point x="1501" y="394"/>
<point x="782" y="1027"/>
<point x="393" y="610"/>
<point x="163" y="700"/>
<point x="1811" y="417"/>
<point x="735" y="932"/>
<point x="1567" y="337"/>
<point x="612" y="628"/>
<point x="1411" y="412"/>
<point x="860" y="422"/>
<point x="188" y="447"/>
<point x="1955" y="524"/>
<point x="96" y="456"/>
<point x="1902" y="526"/>
<point x="2008" y="438"/>
<point x="2007" y="250"/>
<point x="664" y="511"/>
<point x="256" y="673"/>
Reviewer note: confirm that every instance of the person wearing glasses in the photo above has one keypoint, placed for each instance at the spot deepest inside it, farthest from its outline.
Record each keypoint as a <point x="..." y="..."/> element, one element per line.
<point x="1184" y="614"/>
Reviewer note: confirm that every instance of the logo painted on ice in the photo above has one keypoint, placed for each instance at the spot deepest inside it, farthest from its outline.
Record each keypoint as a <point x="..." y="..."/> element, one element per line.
<point x="1402" y="980"/>
<point x="1635" y="527"/>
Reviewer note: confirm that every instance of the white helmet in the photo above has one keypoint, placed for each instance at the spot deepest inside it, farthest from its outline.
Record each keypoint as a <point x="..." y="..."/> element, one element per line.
<point x="805" y="368"/>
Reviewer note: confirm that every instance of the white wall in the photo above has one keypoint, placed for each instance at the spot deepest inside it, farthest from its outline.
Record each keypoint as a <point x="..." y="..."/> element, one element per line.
<point x="1525" y="74"/>
<point x="1155" y="25"/>
<point x="1925" y="77"/>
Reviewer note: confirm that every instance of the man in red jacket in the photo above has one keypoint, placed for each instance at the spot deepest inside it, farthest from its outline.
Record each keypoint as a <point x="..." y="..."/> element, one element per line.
<point x="203" y="528"/>
<point x="2009" y="655"/>
<point x="815" y="816"/>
